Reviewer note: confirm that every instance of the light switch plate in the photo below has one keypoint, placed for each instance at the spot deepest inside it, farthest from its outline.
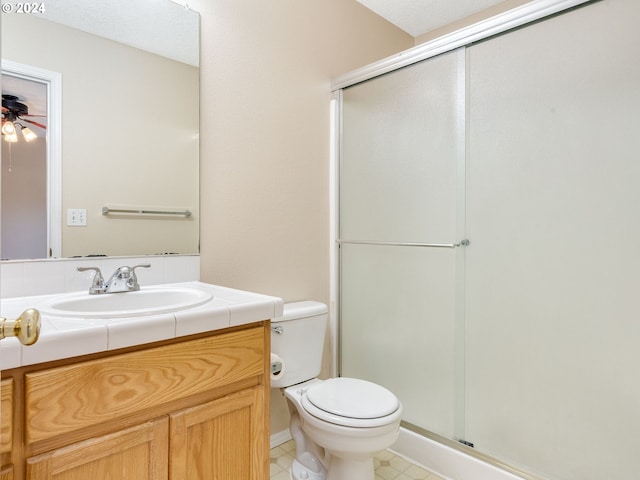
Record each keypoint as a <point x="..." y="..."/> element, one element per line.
<point x="77" y="217"/>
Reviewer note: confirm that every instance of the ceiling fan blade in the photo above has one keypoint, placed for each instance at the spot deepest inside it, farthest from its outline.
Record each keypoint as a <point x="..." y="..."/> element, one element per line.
<point x="34" y="123"/>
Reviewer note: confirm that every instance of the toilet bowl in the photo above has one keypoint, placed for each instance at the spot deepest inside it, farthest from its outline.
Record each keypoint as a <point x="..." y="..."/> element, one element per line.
<point x="328" y="417"/>
<point x="338" y="424"/>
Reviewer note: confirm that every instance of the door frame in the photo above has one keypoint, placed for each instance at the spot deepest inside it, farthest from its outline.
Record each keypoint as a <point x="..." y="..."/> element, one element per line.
<point x="53" y="82"/>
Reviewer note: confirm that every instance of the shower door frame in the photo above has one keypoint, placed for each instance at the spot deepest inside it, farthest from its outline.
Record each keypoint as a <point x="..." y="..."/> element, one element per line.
<point x="458" y="39"/>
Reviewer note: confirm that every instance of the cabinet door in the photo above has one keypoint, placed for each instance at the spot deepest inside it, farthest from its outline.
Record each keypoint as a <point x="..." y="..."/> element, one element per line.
<point x="6" y="428"/>
<point x="221" y="440"/>
<point x="6" y="473"/>
<point x="6" y="416"/>
<point x="136" y="453"/>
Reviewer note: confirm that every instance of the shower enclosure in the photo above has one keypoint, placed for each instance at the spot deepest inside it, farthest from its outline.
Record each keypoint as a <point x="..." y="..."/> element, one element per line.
<point x="489" y="202"/>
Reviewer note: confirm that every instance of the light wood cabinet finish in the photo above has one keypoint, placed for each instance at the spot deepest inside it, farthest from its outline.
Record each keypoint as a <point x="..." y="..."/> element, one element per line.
<point x="224" y="429"/>
<point x="6" y="473"/>
<point x="6" y="416"/>
<point x="194" y="408"/>
<point x="138" y="453"/>
<point x="77" y="396"/>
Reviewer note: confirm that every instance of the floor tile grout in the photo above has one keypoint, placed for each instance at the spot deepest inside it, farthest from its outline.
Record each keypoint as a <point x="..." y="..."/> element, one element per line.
<point x="388" y="466"/>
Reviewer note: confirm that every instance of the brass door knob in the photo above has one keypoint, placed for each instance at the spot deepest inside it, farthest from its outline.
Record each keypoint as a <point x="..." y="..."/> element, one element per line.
<point x="26" y="327"/>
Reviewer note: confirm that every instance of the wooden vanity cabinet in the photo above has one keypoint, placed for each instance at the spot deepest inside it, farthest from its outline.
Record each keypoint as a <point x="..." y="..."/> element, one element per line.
<point x="139" y="452"/>
<point x="223" y="428"/>
<point x="6" y="429"/>
<point x="6" y="473"/>
<point x="190" y="409"/>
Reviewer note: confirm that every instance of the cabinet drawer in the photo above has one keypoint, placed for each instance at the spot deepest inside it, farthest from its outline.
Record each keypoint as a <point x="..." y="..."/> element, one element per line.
<point x="64" y="399"/>
<point x="6" y="415"/>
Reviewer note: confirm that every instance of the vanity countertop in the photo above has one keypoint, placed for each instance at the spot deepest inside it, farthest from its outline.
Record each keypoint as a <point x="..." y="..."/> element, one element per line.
<point x="62" y="337"/>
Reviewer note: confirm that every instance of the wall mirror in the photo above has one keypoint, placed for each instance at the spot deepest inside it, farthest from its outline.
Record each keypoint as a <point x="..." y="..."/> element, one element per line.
<point x="128" y="122"/>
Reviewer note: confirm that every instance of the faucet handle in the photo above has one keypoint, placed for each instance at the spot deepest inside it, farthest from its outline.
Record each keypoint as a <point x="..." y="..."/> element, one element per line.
<point x="134" y="279"/>
<point x="146" y="265"/>
<point x="97" y="286"/>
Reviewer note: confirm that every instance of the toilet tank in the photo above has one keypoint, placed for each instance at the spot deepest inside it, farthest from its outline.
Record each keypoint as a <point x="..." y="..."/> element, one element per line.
<point x="298" y="338"/>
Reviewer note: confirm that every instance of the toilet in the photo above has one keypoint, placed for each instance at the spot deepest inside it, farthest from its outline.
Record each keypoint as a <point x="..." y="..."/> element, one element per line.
<point x="338" y="424"/>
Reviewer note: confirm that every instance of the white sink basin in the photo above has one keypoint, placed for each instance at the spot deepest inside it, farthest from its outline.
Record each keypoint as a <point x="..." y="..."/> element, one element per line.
<point x="146" y="301"/>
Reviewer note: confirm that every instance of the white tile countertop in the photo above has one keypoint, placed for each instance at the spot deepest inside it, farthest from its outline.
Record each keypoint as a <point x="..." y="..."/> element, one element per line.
<point x="62" y="337"/>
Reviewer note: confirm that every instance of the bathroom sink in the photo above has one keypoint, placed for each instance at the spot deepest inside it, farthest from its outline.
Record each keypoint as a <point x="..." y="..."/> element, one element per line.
<point x="147" y="301"/>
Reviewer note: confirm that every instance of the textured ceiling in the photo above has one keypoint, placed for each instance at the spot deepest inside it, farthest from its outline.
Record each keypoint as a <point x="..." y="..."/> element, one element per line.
<point x="162" y="27"/>
<point x="417" y="17"/>
<point x="158" y="26"/>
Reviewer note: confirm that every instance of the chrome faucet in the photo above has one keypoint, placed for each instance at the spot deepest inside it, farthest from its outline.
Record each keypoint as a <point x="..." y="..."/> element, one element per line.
<point x="124" y="279"/>
<point x="97" y="285"/>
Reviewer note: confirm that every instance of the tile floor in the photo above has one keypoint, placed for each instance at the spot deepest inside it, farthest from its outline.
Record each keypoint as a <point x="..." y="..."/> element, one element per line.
<point x="388" y="466"/>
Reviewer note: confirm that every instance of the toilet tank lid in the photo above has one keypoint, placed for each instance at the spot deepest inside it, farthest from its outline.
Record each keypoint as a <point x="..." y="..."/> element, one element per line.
<point x="307" y="308"/>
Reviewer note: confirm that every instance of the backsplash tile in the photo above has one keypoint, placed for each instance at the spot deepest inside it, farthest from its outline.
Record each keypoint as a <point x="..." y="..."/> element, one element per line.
<point x="44" y="277"/>
<point x="176" y="268"/>
<point x="12" y="279"/>
<point x="40" y="277"/>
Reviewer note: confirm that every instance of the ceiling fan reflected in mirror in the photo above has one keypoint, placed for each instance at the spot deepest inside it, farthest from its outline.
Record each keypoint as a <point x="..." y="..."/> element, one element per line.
<point x="13" y="116"/>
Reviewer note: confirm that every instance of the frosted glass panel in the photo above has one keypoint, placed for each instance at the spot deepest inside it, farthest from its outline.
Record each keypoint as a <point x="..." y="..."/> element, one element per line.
<point x="397" y="330"/>
<point x="399" y="151"/>
<point x="399" y="183"/>
<point x="552" y="271"/>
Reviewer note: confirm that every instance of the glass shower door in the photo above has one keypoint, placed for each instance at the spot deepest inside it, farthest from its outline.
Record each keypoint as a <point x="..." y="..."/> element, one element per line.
<point x="552" y="284"/>
<point x="400" y="188"/>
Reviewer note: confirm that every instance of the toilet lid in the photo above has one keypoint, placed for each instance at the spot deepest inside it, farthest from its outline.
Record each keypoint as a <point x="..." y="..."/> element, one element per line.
<point x="353" y="398"/>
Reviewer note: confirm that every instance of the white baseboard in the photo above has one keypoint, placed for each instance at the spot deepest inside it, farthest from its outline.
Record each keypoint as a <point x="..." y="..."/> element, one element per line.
<point x="436" y="457"/>
<point x="279" y="438"/>
<point x="445" y="461"/>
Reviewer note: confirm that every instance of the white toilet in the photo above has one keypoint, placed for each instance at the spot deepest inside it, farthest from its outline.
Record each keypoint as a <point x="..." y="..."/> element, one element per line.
<point x="338" y="424"/>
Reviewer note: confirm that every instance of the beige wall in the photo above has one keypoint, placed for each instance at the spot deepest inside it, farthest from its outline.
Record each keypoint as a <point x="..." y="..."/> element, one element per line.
<point x="265" y="92"/>
<point x="266" y="71"/>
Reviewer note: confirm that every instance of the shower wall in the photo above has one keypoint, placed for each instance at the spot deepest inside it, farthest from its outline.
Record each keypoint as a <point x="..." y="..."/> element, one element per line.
<point x="523" y="342"/>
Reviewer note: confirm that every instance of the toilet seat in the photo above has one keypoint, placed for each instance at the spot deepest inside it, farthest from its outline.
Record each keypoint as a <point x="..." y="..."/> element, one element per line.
<point x="351" y="402"/>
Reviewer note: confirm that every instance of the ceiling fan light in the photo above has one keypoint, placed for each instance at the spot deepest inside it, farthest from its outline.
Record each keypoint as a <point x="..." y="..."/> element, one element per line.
<point x="9" y="128"/>
<point x="28" y="134"/>
<point x="11" y="137"/>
